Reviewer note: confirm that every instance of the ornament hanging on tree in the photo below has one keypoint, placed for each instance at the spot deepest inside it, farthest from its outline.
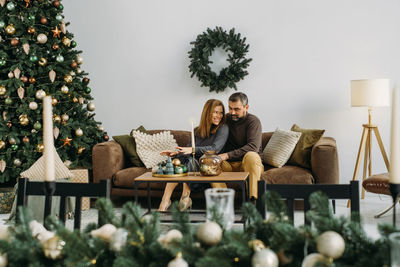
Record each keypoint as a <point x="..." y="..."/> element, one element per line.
<point x="26" y="48"/>
<point x="171" y="236"/>
<point x="311" y="259"/>
<point x="2" y="2"/>
<point x="106" y="137"/>
<point x="66" y="41"/>
<point x="80" y="150"/>
<point x="2" y="144"/>
<point x="17" y="162"/>
<point x="331" y="244"/>
<point x="118" y="239"/>
<point x="33" y="105"/>
<point x="24" y="79"/>
<point x="264" y="258"/>
<point x="56" y="132"/>
<point x="74" y="64"/>
<point x="52" y="75"/>
<point x="32" y="80"/>
<point x="10" y="75"/>
<point x="3" y="90"/>
<point x="53" y="247"/>
<point x="10" y="6"/>
<point x="3" y="260"/>
<point x="21" y="92"/>
<point x="56" y="118"/>
<point x="17" y="72"/>
<point x="64" y="89"/>
<point x="60" y="58"/>
<point x="105" y="232"/>
<point x="10" y="29"/>
<point x="43" y="20"/>
<point x="63" y="28"/>
<point x="23" y="119"/>
<point x="37" y="126"/>
<point x="78" y="132"/>
<point x="55" y="46"/>
<point x="41" y="38"/>
<point x="42" y="62"/>
<point x="101" y="128"/>
<point x="91" y="106"/>
<point x="178" y="261"/>
<point x="40" y="148"/>
<point x="3" y="165"/>
<point x="31" y="30"/>
<point x="67" y="141"/>
<point x="40" y="94"/>
<point x="65" y="118"/>
<point x="14" y="41"/>
<point x="68" y="78"/>
<point x="25" y="140"/>
<point x="209" y="233"/>
<point x="54" y="101"/>
<point x="79" y="60"/>
<point x="56" y="32"/>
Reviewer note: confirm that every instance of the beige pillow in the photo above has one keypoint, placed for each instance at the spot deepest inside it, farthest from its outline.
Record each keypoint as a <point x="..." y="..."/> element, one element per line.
<point x="149" y="146"/>
<point x="279" y="148"/>
<point x="36" y="171"/>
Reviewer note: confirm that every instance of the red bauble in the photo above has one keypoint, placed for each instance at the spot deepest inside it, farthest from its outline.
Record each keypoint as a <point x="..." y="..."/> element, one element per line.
<point x="14" y="41"/>
<point x="85" y="80"/>
<point x="74" y="64"/>
<point x="32" y="80"/>
<point x="106" y="137"/>
<point x="56" y="3"/>
<point x="43" y="20"/>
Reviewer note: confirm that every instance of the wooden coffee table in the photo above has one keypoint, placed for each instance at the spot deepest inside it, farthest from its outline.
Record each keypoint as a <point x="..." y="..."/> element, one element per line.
<point x="224" y="177"/>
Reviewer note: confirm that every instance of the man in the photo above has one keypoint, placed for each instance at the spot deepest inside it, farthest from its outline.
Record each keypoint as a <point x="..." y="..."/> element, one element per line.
<point x="243" y="147"/>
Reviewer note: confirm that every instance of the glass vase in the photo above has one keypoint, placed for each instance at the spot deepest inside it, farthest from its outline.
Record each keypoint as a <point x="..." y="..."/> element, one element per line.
<point x="220" y="206"/>
<point x="210" y="163"/>
<point x="394" y="239"/>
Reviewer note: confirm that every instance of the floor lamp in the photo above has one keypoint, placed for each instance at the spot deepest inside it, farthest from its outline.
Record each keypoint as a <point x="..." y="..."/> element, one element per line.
<point x="369" y="93"/>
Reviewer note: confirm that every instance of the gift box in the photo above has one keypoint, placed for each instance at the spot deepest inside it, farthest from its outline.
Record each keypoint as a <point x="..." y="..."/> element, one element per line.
<point x="82" y="176"/>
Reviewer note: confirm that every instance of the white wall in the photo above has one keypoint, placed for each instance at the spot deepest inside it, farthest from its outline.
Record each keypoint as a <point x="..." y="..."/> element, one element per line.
<point x="304" y="55"/>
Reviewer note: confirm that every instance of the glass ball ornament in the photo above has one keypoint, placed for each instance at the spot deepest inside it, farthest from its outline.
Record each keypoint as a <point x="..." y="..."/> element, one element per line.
<point x="43" y="20"/>
<point x="2" y="144"/>
<point x="33" y="105"/>
<point x="64" y="117"/>
<point x="73" y="44"/>
<point x="75" y="100"/>
<point x="9" y="124"/>
<point x="14" y="147"/>
<point x="331" y="244"/>
<point x="37" y="126"/>
<point x="40" y="148"/>
<point x="81" y="149"/>
<point x="2" y="24"/>
<point x="33" y="58"/>
<point x="23" y="119"/>
<point x="31" y="30"/>
<point x="78" y="70"/>
<point x="64" y="89"/>
<point x="209" y="233"/>
<point x="91" y="106"/>
<point x="41" y="38"/>
<point x="33" y="131"/>
<point x="32" y="80"/>
<point x="59" y="17"/>
<point x="54" y="101"/>
<point x="25" y="140"/>
<point x="10" y="6"/>
<point x="68" y="78"/>
<point x="55" y="46"/>
<point x="10" y="75"/>
<point x="24" y="79"/>
<point x="31" y="17"/>
<point x="88" y="90"/>
<point x="10" y="29"/>
<point x="42" y="62"/>
<point x="60" y="58"/>
<point x="101" y="128"/>
<point x="56" y="118"/>
<point x="66" y="41"/>
<point x="79" y="132"/>
<point x="2" y="62"/>
<point x="12" y="141"/>
<point x="265" y="258"/>
<point x="17" y="162"/>
<point x="40" y="94"/>
<point x="14" y="41"/>
<point x="8" y="101"/>
<point x="79" y="60"/>
<point x="3" y="90"/>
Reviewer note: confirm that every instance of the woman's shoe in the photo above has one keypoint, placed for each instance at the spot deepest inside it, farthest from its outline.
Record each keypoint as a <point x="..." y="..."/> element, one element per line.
<point x="164" y="206"/>
<point x="185" y="203"/>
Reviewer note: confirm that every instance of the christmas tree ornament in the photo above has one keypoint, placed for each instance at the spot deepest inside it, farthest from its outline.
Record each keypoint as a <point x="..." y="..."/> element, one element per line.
<point x="311" y="260"/>
<point x="56" y="132"/>
<point x="86" y="80"/>
<point x="80" y="150"/>
<point x="64" y="89"/>
<point x="61" y="7"/>
<point x="3" y="90"/>
<point x="41" y="38"/>
<point x="21" y="92"/>
<point x="78" y="70"/>
<point x="14" y="41"/>
<point x="106" y="137"/>
<point x="43" y="20"/>
<point x="75" y="100"/>
<point x="72" y="73"/>
<point x="31" y="30"/>
<point x="37" y="126"/>
<point x="73" y="44"/>
<point x="33" y="105"/>
<point x="178" y="261"/>
<point x="264" y="258"/>
<point x="56" y="118"/>
<point x="79" y="60"/>
<point x="4" y="232"/>
<point x="209" y="233"/>
<point x="42" y="61"/>
<point x="81" y="100"/>
<point x="2" y="23"/>
<point x="31" y="17"/>
<point x="54" y="101"/>
<point x="66" y="41"/>
<point x="118" y="239"/>
<point x="10" y="29"/>
<point x="331" y="244"/>
<point x="26" y="48"/>
<point x="17" y="72"/>
<point x="171" y="236"/>
<point x="88" y="90"/>
<point x="67" y="141"/>
<point x="55" y="46"/>
<point x="32" y="80"/>
<point x="23" y="119"/>
<point x="101" y="128"/>
<point x="63" y="28"/>
<point x="91" y="106"/>
<point x="25" y="140"/>
<point x="60" y="58"/>
<point x="74" y="64"/>
<point x="53" y="247"/>
<point x="40" y="148"/>
<point x="256" y="244"/>
<point x="8" y="101"/>
<point x="10" y="75"/>
<point x="78" y="132"/>
<point x="10" y="6"/>
<point x="3" y="165"/>
<point x="40" y="94"/>
<point x="14" y="147"/>
<point x="33" y="131"/>
<point x="2" y="62"/>
<point x="24" y="79"/>
<point x="56" y="32"/>
<point x="59" y="17"/>
<point x="176" y="162"/>
<point x="52" y="75"/>
<point x="68" y="78"/>
<point x="17" y="162"/>
<point x="5" y="115"/>
<point x="9" y="124"/>
<point x="2" y="144"/>
<point x="56" y="4"/>
<point x="3" y="260"/>
<point x="105" y="232"/>
<point x="12" y="141"/>
<point x="67" y="163"/>
<point x="33" y="58"/>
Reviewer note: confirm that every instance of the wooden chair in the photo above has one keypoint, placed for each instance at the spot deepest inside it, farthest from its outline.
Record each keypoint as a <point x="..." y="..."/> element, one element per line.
<point x="290" y="192"/>
<point x="63" y="190"/>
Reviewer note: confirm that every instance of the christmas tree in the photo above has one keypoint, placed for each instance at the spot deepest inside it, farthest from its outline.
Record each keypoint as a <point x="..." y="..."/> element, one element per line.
<point x="37" y="58"/>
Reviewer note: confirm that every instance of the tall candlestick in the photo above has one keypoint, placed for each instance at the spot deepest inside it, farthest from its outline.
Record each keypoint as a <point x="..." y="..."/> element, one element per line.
<point x="193" y="142"/>
<point x="394" y="173"/>
<point x="49" y="171"/>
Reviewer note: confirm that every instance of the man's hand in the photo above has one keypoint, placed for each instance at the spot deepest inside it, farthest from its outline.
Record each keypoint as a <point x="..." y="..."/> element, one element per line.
<point x="224" y="156"/>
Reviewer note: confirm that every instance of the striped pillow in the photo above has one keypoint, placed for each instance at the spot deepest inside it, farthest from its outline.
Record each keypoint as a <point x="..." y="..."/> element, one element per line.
<point x="280" y="147"/>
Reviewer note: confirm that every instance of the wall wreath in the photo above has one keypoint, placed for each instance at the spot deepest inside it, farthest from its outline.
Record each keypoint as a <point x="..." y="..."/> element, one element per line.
<point x="202" y="49"/>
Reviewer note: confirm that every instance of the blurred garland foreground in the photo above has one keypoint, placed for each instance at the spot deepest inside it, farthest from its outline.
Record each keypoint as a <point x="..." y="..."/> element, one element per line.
<point x="132" y="240"/>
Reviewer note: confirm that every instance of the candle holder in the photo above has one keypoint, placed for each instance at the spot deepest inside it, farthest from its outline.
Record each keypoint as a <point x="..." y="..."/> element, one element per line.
<point x="394" y="191"/>
<point x="193" y="161"/>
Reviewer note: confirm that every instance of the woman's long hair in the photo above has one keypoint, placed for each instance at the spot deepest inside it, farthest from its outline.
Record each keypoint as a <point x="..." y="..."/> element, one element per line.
<point x="204" y="129"/>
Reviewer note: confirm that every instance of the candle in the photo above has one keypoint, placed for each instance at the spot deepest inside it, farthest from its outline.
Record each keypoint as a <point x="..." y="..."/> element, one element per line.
<point x="394" y="173"/>
<point x="49" y="171"/>
<point x="193" y="143"/>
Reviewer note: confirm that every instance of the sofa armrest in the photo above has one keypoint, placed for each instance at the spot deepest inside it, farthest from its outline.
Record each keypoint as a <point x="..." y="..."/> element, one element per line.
<point x="107" y="159"/>
<point x="324" y="161"/>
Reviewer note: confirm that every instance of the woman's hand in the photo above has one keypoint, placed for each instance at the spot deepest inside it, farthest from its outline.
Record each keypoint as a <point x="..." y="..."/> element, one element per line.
<point x="185" y="150"/>
<point x="170" y="153"/>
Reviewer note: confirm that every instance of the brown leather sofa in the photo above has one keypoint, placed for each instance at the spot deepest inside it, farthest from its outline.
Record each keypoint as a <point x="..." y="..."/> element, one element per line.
<point x="109" y="162"/>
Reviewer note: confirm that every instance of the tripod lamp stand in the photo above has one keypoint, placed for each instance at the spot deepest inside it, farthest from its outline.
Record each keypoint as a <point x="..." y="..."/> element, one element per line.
<point x="369" y="93"/>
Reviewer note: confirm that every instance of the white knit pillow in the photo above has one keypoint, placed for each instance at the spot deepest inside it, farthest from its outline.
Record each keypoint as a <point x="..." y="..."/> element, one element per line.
<point x="279" y="148"/>
<point x="149" y="146"/>
<point x="36" y="171"/>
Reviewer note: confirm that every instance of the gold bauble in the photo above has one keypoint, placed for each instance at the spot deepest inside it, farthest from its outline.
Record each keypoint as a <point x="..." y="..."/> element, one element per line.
<point x="64" y="117"/>
<point x="40" y="94"/>
<point x="176" y="162"/>
<point x="79" y="60"/>
<point x="56" y="118"/>
<point x="3" y="90"/>
<point x="66" y="41"/>
<point x="79" y="132"/>
<point x="80" y="150"/>
<point x="23" y="119"/>
<point x="10" y="29"/>
<point x="40" y="148"/>
<point x="53" y="247"/>
<point x="2" y="144"/>
<point x="31" y="30"/>
<point x="54" y="101"/>
<point x="75" y="100"/>
<point x="12" y="141"/>
<point x="42" y="61"/>
<point x="14" y="41"/>
<point x="64" y="89"/>
<point x="91" y="106"/>
<point x="68" y="78"/>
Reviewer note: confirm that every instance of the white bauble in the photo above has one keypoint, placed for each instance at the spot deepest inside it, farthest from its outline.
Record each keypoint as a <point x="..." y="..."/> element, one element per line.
<point x="40" y="94"/>
<point x="64" y="117"/>
<point x="311" y="259"/>
<point x="79" y="132"/>
<point x="169" y="237"/>
<point x="10" y="75"/>
<point x="265" y="258"/>
<point x="33" y="105"/>
<point x="101" y="128"/>
<point x="118" y="239"/>
<point x="67" y="163"/>
<point x="178" y="262"/>
<point x="17" y="162"/>
<point x="41" y="38"/>
<point x="91" y="106"/>
<point x="79" y="60"/>
<point x="105" y="232"/>
<point x="331" y="244"/>
<point x="3" y="260"/>
<point x="209" y="233"/>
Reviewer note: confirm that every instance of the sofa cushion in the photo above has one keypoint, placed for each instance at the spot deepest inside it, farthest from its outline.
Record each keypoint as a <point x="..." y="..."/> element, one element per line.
<point x="302" y="153"/>
<point x="378" y="183"/>
<point x="181" y="137"/>
<point x="128" y="144"/>
<point x="287" y="175"/>
<point x="280" y="147"/>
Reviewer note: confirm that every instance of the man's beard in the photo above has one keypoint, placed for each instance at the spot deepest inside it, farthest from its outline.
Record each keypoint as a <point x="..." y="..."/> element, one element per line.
<point x="235" y="117"/>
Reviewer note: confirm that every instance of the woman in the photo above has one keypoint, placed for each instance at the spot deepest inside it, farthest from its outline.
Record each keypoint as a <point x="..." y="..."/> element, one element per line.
<point x="211" y="134"/>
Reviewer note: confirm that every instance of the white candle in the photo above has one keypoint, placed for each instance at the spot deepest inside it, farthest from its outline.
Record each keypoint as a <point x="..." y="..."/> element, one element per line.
<point x="394" y="173"/>
<point x="49" y="171"/>
<point x="193" y="143"/>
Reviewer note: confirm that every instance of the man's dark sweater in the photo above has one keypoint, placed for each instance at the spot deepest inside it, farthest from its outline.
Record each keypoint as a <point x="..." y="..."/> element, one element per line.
<point x="245" y="135"/>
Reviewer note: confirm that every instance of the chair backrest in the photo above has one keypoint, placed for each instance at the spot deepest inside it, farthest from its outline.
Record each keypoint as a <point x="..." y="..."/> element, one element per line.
<point x="63" y="190"/>
<point x="290" y="192"/>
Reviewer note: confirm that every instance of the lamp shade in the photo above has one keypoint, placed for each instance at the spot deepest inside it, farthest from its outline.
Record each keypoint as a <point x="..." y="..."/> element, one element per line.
<point x="370" y="93"/>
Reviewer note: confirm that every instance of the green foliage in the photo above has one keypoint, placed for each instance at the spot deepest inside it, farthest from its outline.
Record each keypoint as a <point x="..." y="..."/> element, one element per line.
<point x="73" y="103"/>
<point x="203" y="47"/>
